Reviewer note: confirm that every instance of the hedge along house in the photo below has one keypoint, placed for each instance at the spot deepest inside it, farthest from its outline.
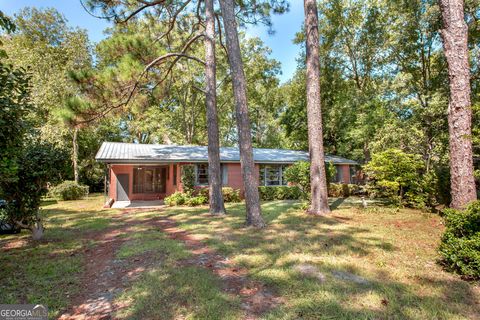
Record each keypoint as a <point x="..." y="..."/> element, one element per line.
<point x="153" y="171"/>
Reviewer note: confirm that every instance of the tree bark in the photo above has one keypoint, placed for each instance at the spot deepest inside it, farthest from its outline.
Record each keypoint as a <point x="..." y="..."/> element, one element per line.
<point x="318" y="178"/>
<point x="75" y="154"/>
<point x="455" y="36"/>
<point x="250" y="179"/>
<point x="217" y="206"/>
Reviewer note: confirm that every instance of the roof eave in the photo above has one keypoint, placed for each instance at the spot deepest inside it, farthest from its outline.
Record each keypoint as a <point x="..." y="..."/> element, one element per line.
<point x="153" y="161"/>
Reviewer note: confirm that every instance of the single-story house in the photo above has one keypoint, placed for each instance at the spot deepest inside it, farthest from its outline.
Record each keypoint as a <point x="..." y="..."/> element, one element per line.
<point x="152" y="171"/>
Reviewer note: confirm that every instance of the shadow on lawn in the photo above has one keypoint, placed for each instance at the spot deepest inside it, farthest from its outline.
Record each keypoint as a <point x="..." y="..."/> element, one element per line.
<point x="329" y="243"/>
<point x="170" y="292"/>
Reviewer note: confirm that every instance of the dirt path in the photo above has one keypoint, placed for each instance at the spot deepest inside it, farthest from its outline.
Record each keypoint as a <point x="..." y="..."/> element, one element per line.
<point x="105" y="276"/>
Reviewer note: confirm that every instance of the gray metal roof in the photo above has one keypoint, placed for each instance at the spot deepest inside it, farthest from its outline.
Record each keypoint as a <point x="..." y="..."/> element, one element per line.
<point x="118" y="152"/>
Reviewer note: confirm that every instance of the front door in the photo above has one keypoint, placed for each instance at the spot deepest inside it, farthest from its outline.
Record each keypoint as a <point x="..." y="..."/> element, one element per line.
<point x="122" y="187"/>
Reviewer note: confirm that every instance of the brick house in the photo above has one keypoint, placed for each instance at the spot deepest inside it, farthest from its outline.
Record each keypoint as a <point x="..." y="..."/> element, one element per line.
<point x="152" y="171"/>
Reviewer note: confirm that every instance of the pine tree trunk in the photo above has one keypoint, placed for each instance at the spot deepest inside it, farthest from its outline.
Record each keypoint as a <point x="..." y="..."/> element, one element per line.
<point x="217" y="206"/>
<point x="250" y="179"/>
<point x="75" y="155"/>
<point x="318" y="178"/>
<point x="455" y="35"/>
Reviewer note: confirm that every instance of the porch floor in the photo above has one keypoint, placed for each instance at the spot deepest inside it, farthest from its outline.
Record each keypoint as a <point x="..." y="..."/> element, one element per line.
<point x="138" y="204"/>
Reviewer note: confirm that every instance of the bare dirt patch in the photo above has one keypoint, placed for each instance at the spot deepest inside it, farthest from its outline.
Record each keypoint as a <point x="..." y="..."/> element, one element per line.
<point x="256" y="298"/>
<point x="105" y="276"/>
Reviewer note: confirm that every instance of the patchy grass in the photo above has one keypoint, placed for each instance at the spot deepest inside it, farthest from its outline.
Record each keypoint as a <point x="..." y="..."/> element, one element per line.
<point x="169" y="292"/>
<point x="47" y="272"/>
<point x="378" y="263"/>
<point x="152" y="243"/>
<point x="392" y="252"/>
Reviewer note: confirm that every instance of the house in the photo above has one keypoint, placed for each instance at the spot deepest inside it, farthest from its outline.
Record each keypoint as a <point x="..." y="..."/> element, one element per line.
<point x="152" y="171"/>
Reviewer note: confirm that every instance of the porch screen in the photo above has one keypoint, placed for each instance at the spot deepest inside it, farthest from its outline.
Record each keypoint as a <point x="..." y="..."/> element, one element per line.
<point x="149" y="179"/>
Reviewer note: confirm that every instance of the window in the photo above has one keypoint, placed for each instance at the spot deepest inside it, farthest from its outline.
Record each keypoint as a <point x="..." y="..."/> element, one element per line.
<point x="201" y="174"/>
<point x="149" y="179"/>
<point x="272" y="175"/>
<point x="339" y="174"/>
<point x="174" y="174"/>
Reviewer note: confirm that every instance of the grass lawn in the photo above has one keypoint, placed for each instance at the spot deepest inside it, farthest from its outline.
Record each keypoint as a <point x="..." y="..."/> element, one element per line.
<point x="377" y="263"/>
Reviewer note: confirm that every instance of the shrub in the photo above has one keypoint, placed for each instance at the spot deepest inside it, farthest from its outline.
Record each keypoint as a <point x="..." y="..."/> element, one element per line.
<point x="341" y="190"/>
<point x="176" y="199"/>
<point x="196" y="201"/>
<point x="182" y="198"/>
<point x="460" y="246"/>
<point x="69" y="190"/>
<point x="231" y="195"/>
<point x="188" y="178"/>
<point x="270" y="193"/>
<point x="393" y="173"/>
<point x="299" y="174"/>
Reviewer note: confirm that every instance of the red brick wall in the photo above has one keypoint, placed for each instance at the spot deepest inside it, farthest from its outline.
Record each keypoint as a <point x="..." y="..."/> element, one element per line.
<point x="345" y="173"/>
<point x="234" y="180"/>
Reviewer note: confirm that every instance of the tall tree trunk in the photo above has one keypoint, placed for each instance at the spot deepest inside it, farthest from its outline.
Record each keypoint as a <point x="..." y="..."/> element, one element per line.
<point x="250" y="179"/>
<point x="217" y="206"/>
<point x="454" y="35"/>
<point x="75" y="154"/>
<point x="318" y="178"/>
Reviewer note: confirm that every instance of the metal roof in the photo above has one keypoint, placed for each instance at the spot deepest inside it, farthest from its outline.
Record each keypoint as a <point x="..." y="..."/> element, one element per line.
<point x="118" y="152"/>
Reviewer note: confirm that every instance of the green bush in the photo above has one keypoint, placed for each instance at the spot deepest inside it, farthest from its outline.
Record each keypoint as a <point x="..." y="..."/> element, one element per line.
<point x="231" y="195"/>
<point x="188" y="178"/>
<point x="196" y="201"/>
<point x="460" y="246"/>
<point x="280" y="193"/>
<point x="176" y="199"/>
<point x="69" y="190"/>
<point x="205" y="192"/>
<point x="299" y="174"/>
<point x="182" y="198"/>
<point x="404" y="179"/>
<point x="341" y="190"/>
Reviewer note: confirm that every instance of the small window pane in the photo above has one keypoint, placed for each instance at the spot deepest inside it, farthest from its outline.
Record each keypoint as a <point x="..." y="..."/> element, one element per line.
<point x="202" y="174"/>
<point x="272" y="175"/>
<point x="284" y="181"/>
<point x="262" y="175"/>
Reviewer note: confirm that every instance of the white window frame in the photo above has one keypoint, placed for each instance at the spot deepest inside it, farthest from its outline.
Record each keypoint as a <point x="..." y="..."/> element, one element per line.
<point x="197" y="183"/>
<point x="282" y="181"/>
<point x="223" y="174"/>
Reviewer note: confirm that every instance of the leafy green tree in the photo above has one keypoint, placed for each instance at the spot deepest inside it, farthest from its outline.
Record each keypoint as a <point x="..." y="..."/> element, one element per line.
<point x="14" y="107"/>
<point x="44" y="44"/>
<point x="299" y="174"/>
<point x="39" y="165"/>
<point x="394" y="172"/>
<point x="26" y="165"/>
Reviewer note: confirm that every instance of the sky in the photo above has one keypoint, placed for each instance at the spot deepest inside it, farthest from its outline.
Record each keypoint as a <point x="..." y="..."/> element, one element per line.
<point x="280" y="42"/>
